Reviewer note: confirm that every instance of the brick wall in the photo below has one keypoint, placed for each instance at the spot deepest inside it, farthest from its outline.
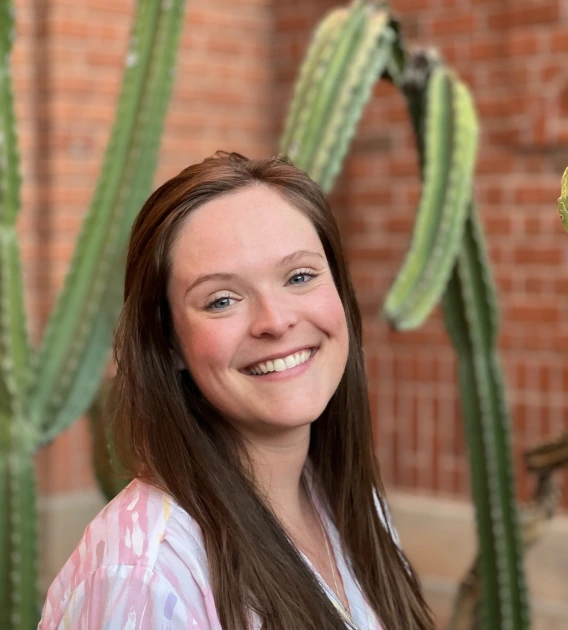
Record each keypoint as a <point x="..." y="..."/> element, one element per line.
<point x="236" y="69"/>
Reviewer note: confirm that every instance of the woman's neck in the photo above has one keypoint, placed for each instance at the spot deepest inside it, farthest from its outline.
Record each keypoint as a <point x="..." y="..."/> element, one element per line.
<point x="278" y="467"/>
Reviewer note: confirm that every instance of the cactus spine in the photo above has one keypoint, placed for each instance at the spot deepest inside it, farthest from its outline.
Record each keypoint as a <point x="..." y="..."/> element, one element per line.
<point x="447" y="257"/>
<point x="41" y="393"/>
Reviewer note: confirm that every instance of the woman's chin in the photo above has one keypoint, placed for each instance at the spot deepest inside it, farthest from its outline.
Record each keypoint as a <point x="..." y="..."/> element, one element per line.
<point x="278" y="424"/>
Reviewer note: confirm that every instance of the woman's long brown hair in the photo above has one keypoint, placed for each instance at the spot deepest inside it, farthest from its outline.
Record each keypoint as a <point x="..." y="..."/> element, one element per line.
<point x="168" y="434"/>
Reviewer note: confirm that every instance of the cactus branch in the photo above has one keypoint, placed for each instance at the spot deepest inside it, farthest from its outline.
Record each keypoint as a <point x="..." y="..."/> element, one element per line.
<point x="78" y="337"/>
<point x="350" y="50"/>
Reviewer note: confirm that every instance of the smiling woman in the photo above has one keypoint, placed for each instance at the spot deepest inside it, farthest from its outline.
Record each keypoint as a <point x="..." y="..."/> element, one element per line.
<point x="240" y="407"/>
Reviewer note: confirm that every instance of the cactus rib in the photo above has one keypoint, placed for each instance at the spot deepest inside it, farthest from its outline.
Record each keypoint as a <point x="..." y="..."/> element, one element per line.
<point x="79" y="333"/>
<point x="449" y="157"/>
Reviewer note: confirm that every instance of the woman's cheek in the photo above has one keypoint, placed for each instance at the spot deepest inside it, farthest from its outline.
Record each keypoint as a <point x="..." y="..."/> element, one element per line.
<point x="209" y="344"/>
<point x="331" y="312"/>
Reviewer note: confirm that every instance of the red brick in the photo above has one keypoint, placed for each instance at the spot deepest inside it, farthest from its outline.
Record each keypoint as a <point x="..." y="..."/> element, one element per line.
<point x="533" y="312"/>
<point x="482" y="50"/>
<point x="559" y="41"/>
<point x="496" y="224"/>
<point x="537" y="255"/>
<point x="454" y="24"/>
<point x="544" y="13"/>
<point x="537" y="193"/>
<point x="524" y="43"/>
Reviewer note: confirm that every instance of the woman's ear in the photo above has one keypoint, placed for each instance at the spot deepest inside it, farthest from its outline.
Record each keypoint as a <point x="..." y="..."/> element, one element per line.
<point x="177" y="355"/>
<point x="178" y="360"/>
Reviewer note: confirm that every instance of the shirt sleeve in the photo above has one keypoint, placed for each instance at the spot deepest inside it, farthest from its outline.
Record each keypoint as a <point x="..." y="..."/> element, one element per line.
<point x="126" y="598"/>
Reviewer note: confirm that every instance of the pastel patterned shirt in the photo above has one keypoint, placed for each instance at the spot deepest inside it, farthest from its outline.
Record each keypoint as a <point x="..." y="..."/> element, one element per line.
<point x="141" y="565"/>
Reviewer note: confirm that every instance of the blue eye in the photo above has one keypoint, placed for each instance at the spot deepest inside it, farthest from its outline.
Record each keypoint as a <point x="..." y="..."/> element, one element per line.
<point x="303" y="275"/>
<point x="219" y="303"/>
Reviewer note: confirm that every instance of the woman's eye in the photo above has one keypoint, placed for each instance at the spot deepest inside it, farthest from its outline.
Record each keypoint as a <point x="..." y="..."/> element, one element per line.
<point x="220" y="303"/>
<point x="302" y="278"/>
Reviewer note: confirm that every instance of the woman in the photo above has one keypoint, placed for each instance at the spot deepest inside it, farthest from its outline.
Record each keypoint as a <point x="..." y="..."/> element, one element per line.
<point x="241" y="409"/>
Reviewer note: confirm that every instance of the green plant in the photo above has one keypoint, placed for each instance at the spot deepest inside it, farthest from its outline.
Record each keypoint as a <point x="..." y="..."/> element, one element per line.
<point x="447" y="261"/>
<point x="43" y="391"/>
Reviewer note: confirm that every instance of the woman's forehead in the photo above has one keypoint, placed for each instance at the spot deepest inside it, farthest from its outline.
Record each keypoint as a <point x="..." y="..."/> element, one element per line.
<point x="255" y="223"/>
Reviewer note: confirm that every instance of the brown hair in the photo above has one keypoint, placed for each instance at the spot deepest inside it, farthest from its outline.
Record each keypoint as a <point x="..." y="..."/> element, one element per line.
<point x="167" y="433"/>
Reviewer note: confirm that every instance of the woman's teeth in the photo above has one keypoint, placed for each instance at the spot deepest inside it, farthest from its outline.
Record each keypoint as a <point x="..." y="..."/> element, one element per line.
<point x="279" y="365"/>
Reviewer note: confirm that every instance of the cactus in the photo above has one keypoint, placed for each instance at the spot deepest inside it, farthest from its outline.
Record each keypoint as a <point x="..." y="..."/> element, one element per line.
<point x="471" y="316"/>
<point x="447" y="259"/>
<point x="43" y="391"/>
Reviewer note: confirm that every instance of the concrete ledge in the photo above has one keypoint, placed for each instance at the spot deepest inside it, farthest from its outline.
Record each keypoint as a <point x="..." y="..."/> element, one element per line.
<point x="438" y="536"/>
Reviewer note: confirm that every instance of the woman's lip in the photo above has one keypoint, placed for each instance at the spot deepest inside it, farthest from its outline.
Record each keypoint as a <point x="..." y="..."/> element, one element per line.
<point x="288" y="373"/>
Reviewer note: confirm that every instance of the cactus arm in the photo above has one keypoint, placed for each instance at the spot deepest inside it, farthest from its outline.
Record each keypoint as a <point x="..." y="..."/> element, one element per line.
<point x="368" y="64"/>
<point x="305" y="88"/>
<point x="563" y="201"/>
<point x="14" y="340"/>
<point x="334" y="84"/>
<point x="469" y="312"/>
<point x="450" y="147"/>
<point x="327" y="88"/>
<point x="78" y="336"/>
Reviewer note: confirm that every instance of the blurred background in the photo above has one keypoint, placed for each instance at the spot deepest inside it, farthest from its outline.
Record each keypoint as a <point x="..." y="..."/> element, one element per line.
<point x="237" y="65"/>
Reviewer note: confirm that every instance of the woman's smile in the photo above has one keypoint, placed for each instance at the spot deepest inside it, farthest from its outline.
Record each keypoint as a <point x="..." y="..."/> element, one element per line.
<point x="282" y="367"/>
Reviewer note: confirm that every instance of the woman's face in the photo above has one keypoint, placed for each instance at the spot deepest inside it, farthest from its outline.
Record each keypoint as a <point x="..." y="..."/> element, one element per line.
<point x="256" y="313"/>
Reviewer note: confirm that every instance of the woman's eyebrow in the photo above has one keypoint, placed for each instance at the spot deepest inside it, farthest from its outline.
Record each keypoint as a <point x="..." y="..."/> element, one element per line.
<point x="287" y="260"/>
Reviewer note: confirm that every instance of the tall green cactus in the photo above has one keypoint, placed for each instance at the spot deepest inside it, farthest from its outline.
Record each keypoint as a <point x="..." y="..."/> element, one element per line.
<point x="446" y="261"/>
<point x="43" y="392"/>
<point x="471" y="316"/>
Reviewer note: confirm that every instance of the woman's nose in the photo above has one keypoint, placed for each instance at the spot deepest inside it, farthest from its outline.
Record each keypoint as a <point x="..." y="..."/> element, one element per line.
<point x="271" y="316"/>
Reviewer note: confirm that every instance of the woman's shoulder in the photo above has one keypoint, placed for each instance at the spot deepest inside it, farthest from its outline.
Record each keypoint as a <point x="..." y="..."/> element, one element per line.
<point x="136" y="528"/>
<point x="141" y="558"/>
